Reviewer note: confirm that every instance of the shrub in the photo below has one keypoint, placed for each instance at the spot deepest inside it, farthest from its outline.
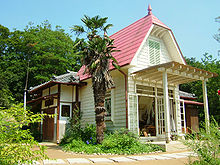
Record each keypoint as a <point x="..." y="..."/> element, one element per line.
<point x="16" y="143"/>
<point x="119" y="142"/>
<point x="206" y="145"/>
<point x="125" y="142"/>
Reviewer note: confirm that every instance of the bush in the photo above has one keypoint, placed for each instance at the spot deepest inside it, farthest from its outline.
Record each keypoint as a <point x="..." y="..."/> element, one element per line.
<point x="206" y="145"/>
<point x="119" y="142"/>
<point x="16" y="143"/>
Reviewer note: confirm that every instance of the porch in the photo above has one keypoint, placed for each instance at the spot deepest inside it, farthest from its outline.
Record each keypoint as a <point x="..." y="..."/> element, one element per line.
<point x="155" y="109"/>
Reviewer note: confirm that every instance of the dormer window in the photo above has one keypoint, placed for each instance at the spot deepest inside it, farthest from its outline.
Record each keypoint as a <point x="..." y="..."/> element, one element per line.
<point x="154" y="52"/>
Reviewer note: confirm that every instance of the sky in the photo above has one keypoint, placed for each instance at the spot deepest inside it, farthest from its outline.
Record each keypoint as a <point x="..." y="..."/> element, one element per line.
<point x="192" y="21"/>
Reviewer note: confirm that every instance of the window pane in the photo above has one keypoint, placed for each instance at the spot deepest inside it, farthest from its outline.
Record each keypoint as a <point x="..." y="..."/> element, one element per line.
<point x="65" y="112"/>
<point x="108" y="103"/>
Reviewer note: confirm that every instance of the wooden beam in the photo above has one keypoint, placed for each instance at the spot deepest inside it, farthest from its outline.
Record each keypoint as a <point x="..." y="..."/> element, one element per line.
<point x="58" y="113"/>
<point x="153" y="75"/>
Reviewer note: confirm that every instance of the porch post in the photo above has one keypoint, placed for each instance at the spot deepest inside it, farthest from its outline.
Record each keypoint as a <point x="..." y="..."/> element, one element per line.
<point x="206" y="107"/>
<point x="166" y="107"/>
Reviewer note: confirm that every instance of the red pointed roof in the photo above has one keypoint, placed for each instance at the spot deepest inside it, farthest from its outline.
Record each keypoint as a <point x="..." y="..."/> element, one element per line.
<point x="128" y="40"/>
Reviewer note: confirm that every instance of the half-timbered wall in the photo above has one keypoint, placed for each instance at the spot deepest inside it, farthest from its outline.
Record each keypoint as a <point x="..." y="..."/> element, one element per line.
<point x="67" y="97"/>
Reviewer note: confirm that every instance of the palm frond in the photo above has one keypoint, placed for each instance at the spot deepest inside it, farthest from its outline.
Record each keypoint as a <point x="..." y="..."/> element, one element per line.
<point x="77" y="29"/>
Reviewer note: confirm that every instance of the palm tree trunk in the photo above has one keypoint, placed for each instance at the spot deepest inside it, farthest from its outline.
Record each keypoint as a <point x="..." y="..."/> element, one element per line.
<point x="99" y="91"/>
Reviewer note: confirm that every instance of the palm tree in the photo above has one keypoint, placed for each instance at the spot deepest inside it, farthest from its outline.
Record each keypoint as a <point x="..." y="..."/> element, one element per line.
<point x="97" y="55"/>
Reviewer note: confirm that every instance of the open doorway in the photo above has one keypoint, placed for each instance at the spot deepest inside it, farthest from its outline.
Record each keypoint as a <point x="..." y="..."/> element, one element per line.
<point x="146" y="107"/>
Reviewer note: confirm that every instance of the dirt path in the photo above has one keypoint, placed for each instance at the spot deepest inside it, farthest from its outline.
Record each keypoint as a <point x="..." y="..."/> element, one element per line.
<point x="54" y="152"/>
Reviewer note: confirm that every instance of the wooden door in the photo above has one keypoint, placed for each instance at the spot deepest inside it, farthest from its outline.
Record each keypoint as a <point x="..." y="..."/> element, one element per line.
<point x="48" y="126"/>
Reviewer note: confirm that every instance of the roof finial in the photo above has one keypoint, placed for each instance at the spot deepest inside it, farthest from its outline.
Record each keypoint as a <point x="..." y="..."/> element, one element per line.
<point x="149" y="10"/>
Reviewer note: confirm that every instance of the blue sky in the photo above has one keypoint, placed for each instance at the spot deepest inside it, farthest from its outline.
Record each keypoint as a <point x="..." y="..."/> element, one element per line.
<point x="192" y="21"/>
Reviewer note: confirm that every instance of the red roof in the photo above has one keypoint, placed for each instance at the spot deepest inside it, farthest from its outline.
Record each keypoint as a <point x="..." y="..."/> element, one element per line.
<point x="128" y="40"/>
<point x="193" y="102"/>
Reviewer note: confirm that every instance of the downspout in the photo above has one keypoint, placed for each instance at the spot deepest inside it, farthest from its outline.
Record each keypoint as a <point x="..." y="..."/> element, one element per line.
<point x="126" y="97"/>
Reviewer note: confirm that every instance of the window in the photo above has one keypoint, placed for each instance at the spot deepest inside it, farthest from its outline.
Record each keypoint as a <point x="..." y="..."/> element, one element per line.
<point x="108" y="102"/>
<point x="154" y="52"/>
<point x="48" y="102"/>
<point x="65" y="111"/>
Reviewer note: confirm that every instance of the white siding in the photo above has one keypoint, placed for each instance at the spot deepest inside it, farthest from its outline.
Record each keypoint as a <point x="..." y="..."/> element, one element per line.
<point x="142" y="58"/>
<point x="119" y="101"/>
<point x="87" y="103"/>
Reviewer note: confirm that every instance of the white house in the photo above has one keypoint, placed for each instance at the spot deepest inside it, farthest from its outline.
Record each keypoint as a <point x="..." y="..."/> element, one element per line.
<point x="146" y="97"/>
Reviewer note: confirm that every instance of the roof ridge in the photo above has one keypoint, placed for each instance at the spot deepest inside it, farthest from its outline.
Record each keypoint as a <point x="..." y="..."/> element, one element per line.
<point x="129" y="25"/>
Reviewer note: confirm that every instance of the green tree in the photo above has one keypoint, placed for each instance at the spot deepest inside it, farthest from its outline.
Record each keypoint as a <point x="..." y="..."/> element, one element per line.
<point x="5" y="94"/>
<point x="96" y="52"/>
<point x="49" y="52"/>
<point x="213" y="84"/>
<point x="16" y="144"/>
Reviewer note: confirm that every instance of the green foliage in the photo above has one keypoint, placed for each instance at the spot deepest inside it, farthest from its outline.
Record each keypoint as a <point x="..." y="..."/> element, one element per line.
<point x="16" y="143"/>
<point x="49" y="52"/>
<point x="212" y="65"/>
<point x="206" y="145"/>
<point x="125" y="142"/>
<point x="119" y="142"/>
<point x="75" y="132"/>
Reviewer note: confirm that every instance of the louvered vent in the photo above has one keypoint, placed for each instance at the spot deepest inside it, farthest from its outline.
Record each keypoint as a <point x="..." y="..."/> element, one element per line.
<point x="154" y="52"/>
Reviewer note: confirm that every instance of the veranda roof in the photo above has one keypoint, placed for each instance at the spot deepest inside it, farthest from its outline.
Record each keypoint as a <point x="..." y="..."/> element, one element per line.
<point x="176" y="73"/>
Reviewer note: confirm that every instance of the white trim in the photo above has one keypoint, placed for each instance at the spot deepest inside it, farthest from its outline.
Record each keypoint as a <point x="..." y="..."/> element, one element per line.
<point x="206" y="107"/>
<point x="65" y="118"/>
<point x="166" y="107"/>
<point x="134" y="60"/>
<point x="153" y="39"/>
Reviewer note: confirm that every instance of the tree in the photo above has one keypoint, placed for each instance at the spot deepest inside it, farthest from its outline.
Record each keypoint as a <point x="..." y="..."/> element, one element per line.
<point x="16" y="144"/>
<point x="212" y="65"/>
<point x="96" y="52"/>
<point x="5" y="94"/>
<point x="49" y="52"/>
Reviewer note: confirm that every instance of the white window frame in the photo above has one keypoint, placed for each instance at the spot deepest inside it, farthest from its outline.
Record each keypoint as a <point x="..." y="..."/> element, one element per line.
<point x="65" y="118"/>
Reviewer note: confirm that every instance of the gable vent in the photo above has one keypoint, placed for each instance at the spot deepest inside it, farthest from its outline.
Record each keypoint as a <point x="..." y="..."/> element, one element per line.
<point x="154" y="52"/>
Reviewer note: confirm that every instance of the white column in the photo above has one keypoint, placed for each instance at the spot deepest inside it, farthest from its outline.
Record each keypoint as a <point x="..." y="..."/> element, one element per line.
<point x="156" y="112"/>
<point x="206" y="107"/>
<point x="177" y="111"/>
<point x="166" y="107"/>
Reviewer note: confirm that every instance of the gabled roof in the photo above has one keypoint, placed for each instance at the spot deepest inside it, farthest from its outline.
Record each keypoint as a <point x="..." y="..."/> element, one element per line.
<point x="129" y="39"/>
<point x="68" y="78"/>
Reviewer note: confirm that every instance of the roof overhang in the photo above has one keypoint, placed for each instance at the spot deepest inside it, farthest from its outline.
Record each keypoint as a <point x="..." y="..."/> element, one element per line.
<point x="176" y="73"/>
<point x="193" y="102"/>
<point x="55" y="95"/>
<point x="52" y="83"/>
